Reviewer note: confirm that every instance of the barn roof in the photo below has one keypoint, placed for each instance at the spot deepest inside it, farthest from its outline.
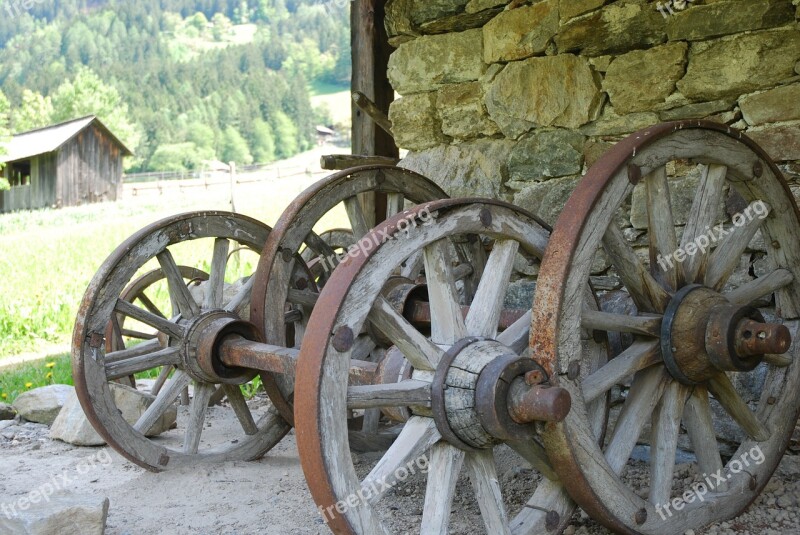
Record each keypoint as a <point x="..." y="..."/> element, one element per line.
<point x="51" y="138"/>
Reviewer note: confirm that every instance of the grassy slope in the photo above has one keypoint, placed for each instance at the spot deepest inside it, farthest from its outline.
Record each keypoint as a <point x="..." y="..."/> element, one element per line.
<point x="48" y="257"/>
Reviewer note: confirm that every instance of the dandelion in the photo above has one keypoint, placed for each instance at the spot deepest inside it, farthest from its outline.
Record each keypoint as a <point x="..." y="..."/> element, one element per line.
<point x="4" y="395"/>
<point x="50" y="365"/>
<point x="28" y="385"/>
<point x="49" y="375"/>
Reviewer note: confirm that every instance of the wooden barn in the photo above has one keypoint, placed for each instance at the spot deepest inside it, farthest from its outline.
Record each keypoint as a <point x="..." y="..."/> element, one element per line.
<point x="68" y="164"/>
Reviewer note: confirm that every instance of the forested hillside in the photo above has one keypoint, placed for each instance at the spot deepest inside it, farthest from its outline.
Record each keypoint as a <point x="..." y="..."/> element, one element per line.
<point x="179" y="81"/>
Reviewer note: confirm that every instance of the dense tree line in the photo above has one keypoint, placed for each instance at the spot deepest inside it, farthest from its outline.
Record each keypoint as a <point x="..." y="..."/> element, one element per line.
<point x="169" y="77"/>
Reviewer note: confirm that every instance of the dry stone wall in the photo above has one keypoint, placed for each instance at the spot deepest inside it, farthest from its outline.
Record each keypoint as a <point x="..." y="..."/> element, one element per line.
<point x="515" y="99"/>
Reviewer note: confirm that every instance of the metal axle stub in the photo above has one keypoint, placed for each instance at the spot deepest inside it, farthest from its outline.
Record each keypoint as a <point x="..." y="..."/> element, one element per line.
<point x="703" y="333"/>
<point x="201" y="352"/>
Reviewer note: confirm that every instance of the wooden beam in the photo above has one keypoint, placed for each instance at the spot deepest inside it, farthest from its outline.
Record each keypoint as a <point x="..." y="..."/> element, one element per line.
<point x="370" y="52"/>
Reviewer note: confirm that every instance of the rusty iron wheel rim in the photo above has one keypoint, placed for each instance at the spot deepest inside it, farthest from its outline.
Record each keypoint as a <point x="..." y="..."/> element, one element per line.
<point x="328" y="482"/>
<point x="630" y="160"/>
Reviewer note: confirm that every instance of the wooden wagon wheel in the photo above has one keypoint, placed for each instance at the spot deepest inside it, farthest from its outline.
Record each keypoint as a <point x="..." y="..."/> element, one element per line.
<point x="180" y="338"/>
<point x="699" y="334"/>
<point x="294" y="237"/>
<point x="119" y="337"/>
<point x="467" y="396"/>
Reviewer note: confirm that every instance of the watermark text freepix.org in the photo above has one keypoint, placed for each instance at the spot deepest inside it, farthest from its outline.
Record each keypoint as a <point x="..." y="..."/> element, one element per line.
<point x="710" y="482"/>
<point x="56" y="483"/>
<point x="712" y="236"/>
<point x="376" y="239"/>
<point x="372" y="488"/>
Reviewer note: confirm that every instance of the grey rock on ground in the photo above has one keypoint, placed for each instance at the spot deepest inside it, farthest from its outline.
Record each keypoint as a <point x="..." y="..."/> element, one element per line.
<point x="73" y="427"/>
<point x="7" y="412"/>
<point x="39" y="513"/>
<point x="42" y="405"/>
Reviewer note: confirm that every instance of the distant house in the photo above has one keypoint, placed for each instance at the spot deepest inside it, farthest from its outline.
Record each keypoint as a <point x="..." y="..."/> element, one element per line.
<point x="68" y="164"/>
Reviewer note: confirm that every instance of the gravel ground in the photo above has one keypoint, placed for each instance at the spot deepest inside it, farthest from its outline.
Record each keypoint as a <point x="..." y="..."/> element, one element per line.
<point x="270" y="496"/>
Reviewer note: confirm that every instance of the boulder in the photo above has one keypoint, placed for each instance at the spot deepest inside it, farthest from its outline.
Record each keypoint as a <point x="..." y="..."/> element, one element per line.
<point x="774" y="105"/>
<point x="730" y="67"/>
<point x="569" y="9"/>
<point x="728" y="17"/>
<point x="7" y="412"/>
<point x="39" y="513"/>
<point x="612" y="124"/>
<point x="415" y="123"/>
<point x="42" y="405"/>
<point x="699" y="110"/>
<point x="72" y="426"/>
<point x="547" y="199"/>
<point x="463" y="112"/>
<point x="546" y="154"/>
<point x="617" y="28"/>
<point x="472" y="169"/>
<point x="781" y="142"/>
<point x="558" y="91"/>
<point x="432" y="61"/>
<point x="639" y="80"/>
<point x="520" y="33"/>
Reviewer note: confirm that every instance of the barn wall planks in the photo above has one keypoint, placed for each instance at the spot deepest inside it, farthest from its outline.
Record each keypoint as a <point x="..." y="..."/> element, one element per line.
<point x="86" y="169"/>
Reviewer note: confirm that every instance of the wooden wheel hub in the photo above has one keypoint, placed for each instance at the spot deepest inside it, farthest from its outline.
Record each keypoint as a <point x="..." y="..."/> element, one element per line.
<point x="479" y="396"/>
<point x="703" y="333"/>
<point x="201" y="349"/>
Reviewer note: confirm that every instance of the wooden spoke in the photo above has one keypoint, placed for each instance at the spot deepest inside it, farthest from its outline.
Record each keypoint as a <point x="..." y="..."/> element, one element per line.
<point x="138" y="334"/>
<point x="447" y="323"/>
<point x="662" y="229"/>
<point x="517" y="335"/>
<point x="355" y="213"/>
<point x="645" y="393"/>
<point x="420" y="352"/>
<point x="322" y="249"/>
<point x="418" y="435"/>
<point x="724" y="392"/>
<point x="703" y="215"/>
<point x="664" y="441"/>
<point x="197" y="416"/>
<point x="163" y="401"/>
<point x="761" y="287"/>
<point x="178" y="291"/>
<point x="699" y="423"/>
<point x="157" y="322"/>
<point x="299" y="297"/>
<point x="483" y="474"/>
<point x="242" y="297"/>
<point x="729" y="252"/>
<point x="131" y="366"/>
<point x="484" y="313"/>
<point x="395" y="203"/>
<point x="372" y="420"/>
<point x="161" y="380"/>
<point x="239" y="405"/>
<point x="620" y="323"/>
<point x="132" y="352"/>
<point x="639" y="356"/>
<point x="216" y="282"/>
<point x="402" y="394"/>
<point x="149" y="305"/>
<point x="443" y="470"/>
<point x="645" y="291"/>
<point x="534" y="453"/>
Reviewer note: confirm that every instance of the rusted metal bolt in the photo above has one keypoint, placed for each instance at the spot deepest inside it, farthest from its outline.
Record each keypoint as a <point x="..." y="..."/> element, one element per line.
<point x="574" y="370"/>
<point x="641" y="516"/>
<point x="534" y="377"/>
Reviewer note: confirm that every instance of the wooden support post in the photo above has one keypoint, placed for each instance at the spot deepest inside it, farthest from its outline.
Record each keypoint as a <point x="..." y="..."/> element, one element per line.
<point x="370" y="51"/>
